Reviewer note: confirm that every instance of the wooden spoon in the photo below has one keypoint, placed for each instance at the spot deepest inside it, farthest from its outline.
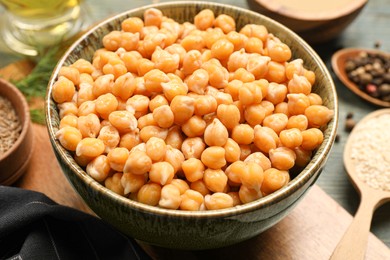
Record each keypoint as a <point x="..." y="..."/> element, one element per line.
<point x="338" y="64"/>
<point x="354" y="242"/>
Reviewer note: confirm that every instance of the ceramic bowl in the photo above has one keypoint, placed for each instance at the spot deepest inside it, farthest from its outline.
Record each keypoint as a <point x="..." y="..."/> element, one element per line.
<point x="314" y="22"/>
<point x="189" y="229"/>
<point x="14" y="162"/>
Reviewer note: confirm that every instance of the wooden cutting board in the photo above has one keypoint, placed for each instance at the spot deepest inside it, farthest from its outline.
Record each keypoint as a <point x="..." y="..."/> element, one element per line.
<point x="311" y="231"/>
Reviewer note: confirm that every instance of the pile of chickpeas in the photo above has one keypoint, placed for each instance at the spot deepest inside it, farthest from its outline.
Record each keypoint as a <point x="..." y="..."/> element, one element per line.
<point x="191" y="116"/>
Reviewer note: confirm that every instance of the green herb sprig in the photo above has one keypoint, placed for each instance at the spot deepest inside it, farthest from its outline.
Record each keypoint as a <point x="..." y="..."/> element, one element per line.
<point x="35" y="84"/>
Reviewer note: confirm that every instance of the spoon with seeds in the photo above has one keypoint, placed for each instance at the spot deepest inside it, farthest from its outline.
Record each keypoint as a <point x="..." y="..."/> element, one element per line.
<point x="367" y="161"/>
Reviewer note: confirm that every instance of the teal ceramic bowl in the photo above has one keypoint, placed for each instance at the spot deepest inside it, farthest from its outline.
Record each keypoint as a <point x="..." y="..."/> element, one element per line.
<point x="189" y="229"/>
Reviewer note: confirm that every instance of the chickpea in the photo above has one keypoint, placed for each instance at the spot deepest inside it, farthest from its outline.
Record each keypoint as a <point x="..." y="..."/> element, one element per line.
<point x="318" y="115"/>
<point x="294" y="67"/>
<point x="204" y="19"/>
<point x="193" y="147"/>
<point x="291" y="138"/>
<point x="297" y="103"/>
<point x="182" y="108"/>
<point x="161" y="172"/>
<point x="274" y="180"/>
<point x="229" y="115"/>
<point x="130" y="60"/>
<point x="312" y="138"/>
<point x="215" y="180"/>
<point x="124" y="86"/>
<point x="103" y="85"/>
<point x="85" y="93"/>
<point x="222" y="49"/>
<point x="138" y="162"/>
<point x="152" y="131"/>
<point x="248" y="195"/>
<point x="277" y="93"/>
<point x="124" y="121"/>
<point x="277" y="122"/>
<point x="153" y="17"/>
<point x="243" y="134"/>
<point x="297" y="121"/>
<point x="117" y="158"/>
<point x="193" y="42"/>
<point x="132" y="183"/>
<point x="218" y="75"/>
<point x="175" y="87"/>
<point x="170" y="197"/>
<point x="163" y="116"/>
<point x="278" y="51"/>
<point x="197" y="81"/>
<point x="99" y="168"/>
<point x="257" y="65"/>
<point x="157" y="101"/>
<point x="254" y="45"/>
<point x="195" y="126"/>
<point x="67" y="108"/>
<point x="265" y="138"/>
<point x="218" y="200"/>
<point x="175" y="157"/>
<point x="69" y="137"/>
<point x="83" y="66"/>
<point x="205" y="104"/>
<point x="268" y="106"/>
<point x="200" y="187"/>
<point x="63" y="90"/>
<point x="255" y="30"/>
<point x="303" y="156"/>
<point x="182" y="185"/>
<point x="260" y="159"/>
<point x="246" y="150"/>
<point x="276" y="72"/>
<point x="90" y="147"/>
<point x="238" y="59"/>
<point x="213" y="157"/>
<point x="146" y="120"/>
<point x="216" y="134"/>
<point x="132" y="24"/>
<point x="174" y="137"/>
<point x="105" y="104"/>
<point x="232" y="150"/>
<point x="252" y="176"/>
<point x="129" y="140"/>
<point x="193" y="169"/>
<point x="282" y="108"/>
<point x="315" y="99"/>
<point x="138" y="105"/>
<point x="191" y="200"/>
<point x="149" y="194"/>
<point x="156" y="148"/>
<point x="68" y="120"/>
<point x="282" y="158"/>
<point x="233" y="88"/>
<point x="113" y="183"/>
<point x="299" y="84"/>
<point x="254" y="114"/>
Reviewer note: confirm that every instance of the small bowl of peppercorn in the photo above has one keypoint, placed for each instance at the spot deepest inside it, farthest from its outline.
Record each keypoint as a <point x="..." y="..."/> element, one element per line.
<point x="366" y="72"/>
<point x="16" y="138"/>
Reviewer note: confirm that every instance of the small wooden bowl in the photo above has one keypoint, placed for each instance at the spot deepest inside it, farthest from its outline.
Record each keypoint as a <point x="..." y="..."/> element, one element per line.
<point x="338" y="64"/>
<point x="14" y="162"/>
<point x="316" y="25"/>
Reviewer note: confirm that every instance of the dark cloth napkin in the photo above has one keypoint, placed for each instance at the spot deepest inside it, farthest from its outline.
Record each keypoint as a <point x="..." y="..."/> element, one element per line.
<point x="32" y="226"/>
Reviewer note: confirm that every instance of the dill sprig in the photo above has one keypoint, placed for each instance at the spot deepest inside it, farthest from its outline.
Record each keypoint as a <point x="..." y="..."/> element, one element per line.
<point x="37" y="115"/>
<point x="35" y="84"/>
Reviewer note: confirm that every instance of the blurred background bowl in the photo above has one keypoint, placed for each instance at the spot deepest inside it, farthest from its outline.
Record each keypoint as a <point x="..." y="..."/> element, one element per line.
<point x="315" y="21"/>
<point x="14" y="162"/>
<point x="189" y="229"/>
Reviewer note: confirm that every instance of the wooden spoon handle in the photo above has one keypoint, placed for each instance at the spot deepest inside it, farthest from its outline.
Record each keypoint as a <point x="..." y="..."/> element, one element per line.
<point x="354" y="242"/>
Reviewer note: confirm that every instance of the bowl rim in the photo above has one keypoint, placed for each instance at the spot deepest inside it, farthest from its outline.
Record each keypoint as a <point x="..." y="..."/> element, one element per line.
<point x="306" y="174"/>
<point x="279" y="8"/>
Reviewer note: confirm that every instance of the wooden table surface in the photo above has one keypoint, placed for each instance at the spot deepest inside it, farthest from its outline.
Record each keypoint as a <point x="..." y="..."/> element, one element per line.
<point x="370" y="27"/>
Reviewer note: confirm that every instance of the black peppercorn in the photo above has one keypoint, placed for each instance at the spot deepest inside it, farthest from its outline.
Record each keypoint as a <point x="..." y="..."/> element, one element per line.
<point x="349" y="124"/>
